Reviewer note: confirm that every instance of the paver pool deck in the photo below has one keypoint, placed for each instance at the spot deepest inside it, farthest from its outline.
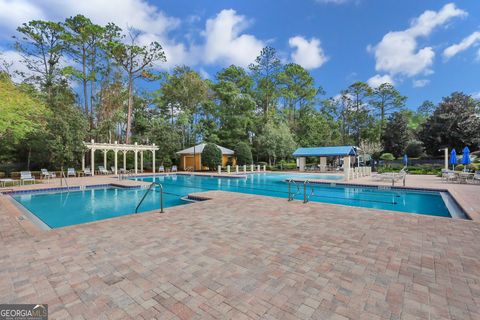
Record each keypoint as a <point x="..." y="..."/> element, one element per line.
<point x="241" y="256"/>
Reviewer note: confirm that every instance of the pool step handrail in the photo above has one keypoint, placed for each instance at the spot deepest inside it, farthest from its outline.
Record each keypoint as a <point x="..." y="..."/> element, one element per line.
<point x="64" y="178"/>
<point x="305" y="197"/>
<point x="145" y="195"/>
<point x="291" y="196"/>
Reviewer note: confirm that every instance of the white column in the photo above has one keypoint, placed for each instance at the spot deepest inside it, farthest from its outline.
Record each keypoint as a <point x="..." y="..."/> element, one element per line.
<point x="105" y="159"/>
<point x="244" y="168"/>
<point x="228" y="169"/>
<point x="153" y="160"/>
<point x="116" y="161"/>
<point x="92" y="161"/>
<point x="258" y="168"/>
<point x="83" y="162"/>
<point x="264" y="168"/>
<point x="219" y="169"/>
<point x="236" y="169"/>
<point x="301" y="163"/>
<point x="124" y="160"/>
<point x="446" y="158"/>
<point x="252" y="168"/>
<point x="135" y="161"/>
<point x="346" y="168"/>
<point x="141" y="161"/>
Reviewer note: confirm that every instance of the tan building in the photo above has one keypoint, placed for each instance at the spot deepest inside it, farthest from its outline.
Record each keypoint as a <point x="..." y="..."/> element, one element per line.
<point x="191" y="158"/>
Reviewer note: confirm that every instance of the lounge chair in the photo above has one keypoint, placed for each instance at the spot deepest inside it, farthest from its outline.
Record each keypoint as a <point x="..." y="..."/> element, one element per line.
<point x="102" y="170"/>
<point x="161" y="169"/>
<point x="26" y="176"/>
<point x="71" y="172"/>
<point x="476" y="177"/>
<point x="174" y="168"/>
<point x="47" y="175"/>
<point x="87" y="172"/>
<point x="112" y="169"/>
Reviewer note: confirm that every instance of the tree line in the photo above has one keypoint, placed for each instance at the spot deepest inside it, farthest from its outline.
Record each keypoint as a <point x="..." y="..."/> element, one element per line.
<point x="85" y="81"/>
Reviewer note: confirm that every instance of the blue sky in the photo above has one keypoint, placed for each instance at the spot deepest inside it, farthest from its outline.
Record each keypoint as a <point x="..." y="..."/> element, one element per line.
<point x="427" y="48"/>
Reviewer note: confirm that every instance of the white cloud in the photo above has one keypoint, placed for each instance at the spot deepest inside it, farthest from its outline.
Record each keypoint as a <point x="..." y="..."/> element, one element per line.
<point x="378" y="80"/>
<point x="397" y="53"/>
<point x="466" y="43"/>
<point x="308" y="54"/>
<point x="420" y="83"/>
<point x="225" y="43"/>
<point x="14" y="58"/>
<point x="15" y="12"/>
<point x="476" y="95"/>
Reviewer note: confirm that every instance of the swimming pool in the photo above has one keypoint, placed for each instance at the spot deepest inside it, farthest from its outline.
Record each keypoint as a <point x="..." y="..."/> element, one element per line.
<point x="61" y="209"/>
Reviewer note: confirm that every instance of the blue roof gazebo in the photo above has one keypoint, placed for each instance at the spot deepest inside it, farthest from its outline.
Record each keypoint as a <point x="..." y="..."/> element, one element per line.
<point x="345" y="152"/>
<point x="338" y="151"/>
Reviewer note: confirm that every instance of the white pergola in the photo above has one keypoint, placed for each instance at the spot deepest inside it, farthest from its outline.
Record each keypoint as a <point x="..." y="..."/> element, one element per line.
<point x="116" y="147"/>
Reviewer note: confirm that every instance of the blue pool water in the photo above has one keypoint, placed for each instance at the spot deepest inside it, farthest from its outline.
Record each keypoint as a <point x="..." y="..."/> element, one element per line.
<point x="75" y="207"/>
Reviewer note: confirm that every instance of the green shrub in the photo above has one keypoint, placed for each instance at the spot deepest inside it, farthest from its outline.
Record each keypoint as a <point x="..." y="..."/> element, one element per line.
<point x="387" y="157"/>
<point x="243" y="154"/>
<point x="211" y="156"/>
<point x="2" y="175"/>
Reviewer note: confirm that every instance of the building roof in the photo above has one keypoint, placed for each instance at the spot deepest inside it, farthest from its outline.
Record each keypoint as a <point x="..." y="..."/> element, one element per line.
<point x="325" y="151"/>
<point x="199" y="149"/>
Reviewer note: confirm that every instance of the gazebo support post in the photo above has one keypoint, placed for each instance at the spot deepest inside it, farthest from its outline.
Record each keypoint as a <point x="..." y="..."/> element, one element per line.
<point x="141" y="161"/>
<point x="124" y="160"/>
<point x="83" y="162"/>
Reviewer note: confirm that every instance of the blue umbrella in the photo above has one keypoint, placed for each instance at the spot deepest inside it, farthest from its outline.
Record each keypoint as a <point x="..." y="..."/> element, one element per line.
<point x="453" y="158"/>
<point x="405" y="159"/>
<point x="466" y="157"/>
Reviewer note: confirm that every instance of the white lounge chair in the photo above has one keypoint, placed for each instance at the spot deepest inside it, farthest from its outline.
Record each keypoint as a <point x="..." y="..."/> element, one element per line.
<point x="174" y="168"/>
<point x="71" y="172"/>
<point x="161" y="169"/>
<point x="87" y="172"/>
<point x="26" y="176"/>
<point x="476" y="177"/>
<point x="47" y="175"/>
<point x="102" y="170"/>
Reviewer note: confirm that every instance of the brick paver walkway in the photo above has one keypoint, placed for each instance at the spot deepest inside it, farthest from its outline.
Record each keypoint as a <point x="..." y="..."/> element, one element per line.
<point x="246" y="257"/>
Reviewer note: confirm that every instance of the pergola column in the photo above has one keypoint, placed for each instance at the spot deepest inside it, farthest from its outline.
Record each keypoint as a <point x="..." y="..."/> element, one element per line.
<point x="135" y="151"/>
<point x="116" y="161"/>
<point x="83" y="161"/>
<point x="124" y="160"/>
<point x="105" y="159"/>
<point x="141" y="161"/>
<point x="92" y="160"/>
<point x="153" y="160"/>
<point x="115" y="150"/>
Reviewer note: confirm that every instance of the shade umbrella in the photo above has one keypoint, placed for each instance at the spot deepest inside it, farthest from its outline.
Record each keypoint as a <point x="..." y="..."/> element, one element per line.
<point x="405" y="159"/>
<point x="453" y="158"/>
<point x="466" y="157"/>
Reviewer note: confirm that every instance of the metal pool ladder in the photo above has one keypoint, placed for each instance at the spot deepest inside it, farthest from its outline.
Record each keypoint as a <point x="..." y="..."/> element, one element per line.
<point x="306" y="197"/>
<point x="64" y="178"/>
<point x="148" y="190"/>
<point x="291" y="195"/>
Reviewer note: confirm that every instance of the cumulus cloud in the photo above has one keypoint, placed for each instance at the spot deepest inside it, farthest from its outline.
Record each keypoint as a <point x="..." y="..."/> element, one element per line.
<point x="15" y="12"/>
<point x="225" y="43"/>
<point x="308" y="54"/>
<point x="398" y="53"/>
<point x="378" y="80"/>
<point x="465" y="44"/>
<point x="420" y="83"/>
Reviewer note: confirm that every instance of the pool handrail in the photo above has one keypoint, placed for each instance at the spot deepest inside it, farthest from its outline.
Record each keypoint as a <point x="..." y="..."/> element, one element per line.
<point x="290" y="195"/>
<point x="145" y="195"/>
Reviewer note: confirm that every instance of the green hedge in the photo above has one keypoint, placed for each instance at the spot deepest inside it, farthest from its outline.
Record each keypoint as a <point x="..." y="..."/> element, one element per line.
<point x="418" y="169"/>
